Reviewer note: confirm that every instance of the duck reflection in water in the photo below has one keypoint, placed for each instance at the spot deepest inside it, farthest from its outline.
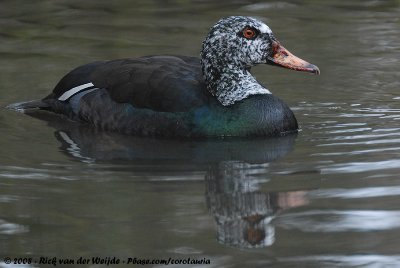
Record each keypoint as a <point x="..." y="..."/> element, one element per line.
<point x="242" y="211"/>
<point x="236" y="171"/>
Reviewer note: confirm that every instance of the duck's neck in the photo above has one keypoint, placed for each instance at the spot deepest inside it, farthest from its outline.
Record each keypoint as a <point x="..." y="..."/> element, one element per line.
<point x="230" y="83"/>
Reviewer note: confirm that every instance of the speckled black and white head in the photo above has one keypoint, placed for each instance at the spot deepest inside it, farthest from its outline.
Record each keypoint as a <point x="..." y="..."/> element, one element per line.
<point x="235" y="44"/>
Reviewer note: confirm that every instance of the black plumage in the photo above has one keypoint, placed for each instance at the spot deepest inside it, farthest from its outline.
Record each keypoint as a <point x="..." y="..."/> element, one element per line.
<point x="180" y="96"/>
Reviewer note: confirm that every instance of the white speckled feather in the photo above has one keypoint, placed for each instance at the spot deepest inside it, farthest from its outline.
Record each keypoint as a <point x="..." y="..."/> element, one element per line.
<point x="227" y="57"/>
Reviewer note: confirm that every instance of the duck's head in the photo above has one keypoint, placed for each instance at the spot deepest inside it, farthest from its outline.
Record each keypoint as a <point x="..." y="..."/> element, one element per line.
<point x="235" y="44"/>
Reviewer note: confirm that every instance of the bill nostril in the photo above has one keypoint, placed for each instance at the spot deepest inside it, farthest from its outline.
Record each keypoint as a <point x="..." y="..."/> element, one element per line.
<point x="275" y="47"/>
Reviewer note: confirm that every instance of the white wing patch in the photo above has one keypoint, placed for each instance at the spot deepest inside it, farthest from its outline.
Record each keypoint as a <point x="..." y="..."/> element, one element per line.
<point x="69" y="93"/>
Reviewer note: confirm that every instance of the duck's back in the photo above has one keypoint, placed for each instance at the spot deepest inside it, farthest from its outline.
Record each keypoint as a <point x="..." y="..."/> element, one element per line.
<point x="159" y="83"/>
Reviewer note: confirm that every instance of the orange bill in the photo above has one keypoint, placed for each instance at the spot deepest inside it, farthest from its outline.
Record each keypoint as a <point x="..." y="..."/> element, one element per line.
<point x="282" y="57"/>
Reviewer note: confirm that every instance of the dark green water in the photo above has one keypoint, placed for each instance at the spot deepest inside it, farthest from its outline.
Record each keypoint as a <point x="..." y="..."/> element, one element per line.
<point x="328" y="197"/>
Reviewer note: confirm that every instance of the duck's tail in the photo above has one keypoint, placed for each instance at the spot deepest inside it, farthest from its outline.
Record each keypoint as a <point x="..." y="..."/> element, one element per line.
<point x="27" y="106"/>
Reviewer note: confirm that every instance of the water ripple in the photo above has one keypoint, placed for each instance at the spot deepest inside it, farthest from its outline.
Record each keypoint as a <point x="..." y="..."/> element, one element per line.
<point x="341" y="221"/>
<point x="359" y="260"/>
<point x="358" y="152"/>
<point x="9" y="228"/>
<point x="15" y="172"/>
<point x="367" y="142"/>
<point x="354" y="167"/>
<point x="366" y="192"/>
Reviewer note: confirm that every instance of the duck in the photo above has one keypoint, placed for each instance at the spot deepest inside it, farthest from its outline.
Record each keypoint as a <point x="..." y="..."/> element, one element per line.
<point x="182" y="96"/>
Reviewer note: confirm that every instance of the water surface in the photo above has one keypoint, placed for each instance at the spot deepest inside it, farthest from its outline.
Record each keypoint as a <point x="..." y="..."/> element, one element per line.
<point x="327" y="197"/>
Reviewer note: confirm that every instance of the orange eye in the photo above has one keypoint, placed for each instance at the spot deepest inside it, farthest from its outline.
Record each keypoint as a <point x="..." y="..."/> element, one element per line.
<point x="249" y="33"/>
